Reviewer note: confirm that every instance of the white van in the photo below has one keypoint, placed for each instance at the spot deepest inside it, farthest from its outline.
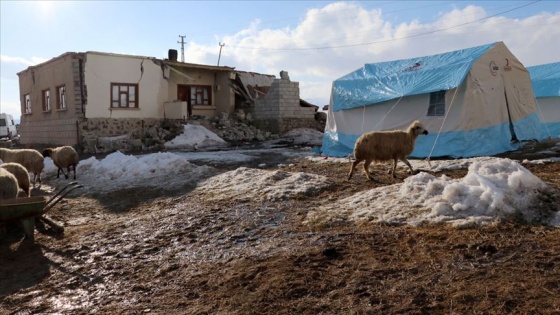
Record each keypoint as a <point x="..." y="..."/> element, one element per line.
<point x="7" y="126"/>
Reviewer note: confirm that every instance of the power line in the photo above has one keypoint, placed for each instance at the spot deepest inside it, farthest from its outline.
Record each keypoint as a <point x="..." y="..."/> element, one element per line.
<point x="182" y="42"/>
<point x="356" y="34"/>
<point x="377" y="5"/>
<point x="472" y="31"/>
<point x="393" y="39"/>
<point x="220" y="55"/>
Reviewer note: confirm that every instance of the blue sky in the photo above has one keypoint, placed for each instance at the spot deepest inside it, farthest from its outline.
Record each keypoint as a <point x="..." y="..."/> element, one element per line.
<point x="315" y="41"/>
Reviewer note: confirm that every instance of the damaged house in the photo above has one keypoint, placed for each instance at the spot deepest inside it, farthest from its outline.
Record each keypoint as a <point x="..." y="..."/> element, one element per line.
<point x="80" y="98"/>
<point x="275" y="103"/>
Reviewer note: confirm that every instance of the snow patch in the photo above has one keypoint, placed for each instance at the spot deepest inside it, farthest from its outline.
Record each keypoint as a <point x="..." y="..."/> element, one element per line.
<point x="256" y="184"/>
<point x="493" y="190"/>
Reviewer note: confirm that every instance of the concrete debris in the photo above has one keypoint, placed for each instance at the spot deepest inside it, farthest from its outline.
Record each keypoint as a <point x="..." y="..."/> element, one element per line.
<point x="236" y="129"/>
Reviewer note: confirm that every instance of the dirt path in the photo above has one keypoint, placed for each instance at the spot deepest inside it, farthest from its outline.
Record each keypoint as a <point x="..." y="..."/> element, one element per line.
<point x="149" y="251"/>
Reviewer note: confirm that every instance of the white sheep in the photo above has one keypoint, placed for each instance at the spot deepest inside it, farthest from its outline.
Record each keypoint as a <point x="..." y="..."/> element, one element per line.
<point x="63" y="157"/>
<point x="21" y="174"/>
<point x="31" y="159"/>
<point x="376" y="146"/>
<point x="8" y="185"/>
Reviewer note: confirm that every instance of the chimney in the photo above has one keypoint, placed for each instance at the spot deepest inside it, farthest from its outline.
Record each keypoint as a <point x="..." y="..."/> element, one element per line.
<point x="172" y="54"/>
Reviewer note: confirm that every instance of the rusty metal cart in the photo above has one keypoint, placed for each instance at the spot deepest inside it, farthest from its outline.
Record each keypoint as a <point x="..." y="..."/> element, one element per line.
<point x="27" y="210"/>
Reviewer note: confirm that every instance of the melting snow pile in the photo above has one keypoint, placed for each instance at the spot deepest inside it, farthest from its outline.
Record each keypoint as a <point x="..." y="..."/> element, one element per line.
<point x="256" y="184"/>
<point x="195" y="136"/>
<point x="417" y="164"/>
<point x="304" y="136"/>
<point x="493" y="189"/>
<point x="497" y="189"/>
<point x="119" y="171"/>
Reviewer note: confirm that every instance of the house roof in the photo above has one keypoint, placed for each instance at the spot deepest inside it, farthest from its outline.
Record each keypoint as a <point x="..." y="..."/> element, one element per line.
<point x="546" y="79"/>
<point x="66" y="54"/>
<point x="178" y="64"/>
<point x="117" y="55"/>
<point x="378" y="82"/>
<point x="196" y="66"/>
<point x="165" y="61"/>
<point x="256" y="91"/>
<point x="250" y="84"/>
<point x="304" y="103"/>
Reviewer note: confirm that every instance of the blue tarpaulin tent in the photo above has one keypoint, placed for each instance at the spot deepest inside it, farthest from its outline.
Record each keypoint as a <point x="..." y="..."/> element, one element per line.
<point x="546" y="85"/>
<point x="474" y="102"/>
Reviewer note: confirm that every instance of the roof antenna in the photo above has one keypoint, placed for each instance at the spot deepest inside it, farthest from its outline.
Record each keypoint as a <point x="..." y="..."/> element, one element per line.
<point x="220" y="55"/>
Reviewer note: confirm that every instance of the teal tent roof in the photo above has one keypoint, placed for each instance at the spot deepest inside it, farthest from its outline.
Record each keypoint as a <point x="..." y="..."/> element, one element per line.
<point x="378" y="82"/>
<point x="546" y="79"/>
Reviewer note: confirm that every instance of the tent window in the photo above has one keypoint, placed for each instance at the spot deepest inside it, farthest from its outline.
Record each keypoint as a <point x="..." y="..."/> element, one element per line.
<point x="437" y="104"/>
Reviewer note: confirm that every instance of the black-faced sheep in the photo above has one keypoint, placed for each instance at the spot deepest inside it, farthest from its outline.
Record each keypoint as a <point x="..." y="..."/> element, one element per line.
<point x="31" y="159"/>
<point x="63" y="157"/>
<point x="8" y="185"/>
<point x="376" y="146"/>
<point x="21" y="174"/>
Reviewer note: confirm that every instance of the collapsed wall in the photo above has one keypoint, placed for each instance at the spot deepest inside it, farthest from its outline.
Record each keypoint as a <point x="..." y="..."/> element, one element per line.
<point x="281" y="109"/>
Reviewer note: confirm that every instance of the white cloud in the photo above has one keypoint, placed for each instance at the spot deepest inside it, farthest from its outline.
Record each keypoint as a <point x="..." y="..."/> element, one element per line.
<point x="311" y="91"/>
<point x="9" y="107"/>
<point x="366" y="36"/>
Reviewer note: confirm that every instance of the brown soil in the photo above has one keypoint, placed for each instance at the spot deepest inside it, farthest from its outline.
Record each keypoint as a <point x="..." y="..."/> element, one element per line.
<point x="151" y="251"/>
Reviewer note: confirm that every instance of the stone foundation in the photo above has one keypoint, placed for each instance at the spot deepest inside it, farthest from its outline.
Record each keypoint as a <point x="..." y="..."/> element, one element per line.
<point x="103" y="135"/>
<point x="110" y="127"/>
<point x="97" y="135"/>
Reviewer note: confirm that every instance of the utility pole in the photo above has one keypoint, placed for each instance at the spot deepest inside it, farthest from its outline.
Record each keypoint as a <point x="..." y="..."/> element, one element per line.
<point x="182" y="42"/>
<point x="220" y="55"/>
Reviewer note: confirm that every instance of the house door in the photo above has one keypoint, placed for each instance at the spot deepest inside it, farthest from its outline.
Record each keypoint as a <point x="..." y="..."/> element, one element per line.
<point x="183" y="94"/>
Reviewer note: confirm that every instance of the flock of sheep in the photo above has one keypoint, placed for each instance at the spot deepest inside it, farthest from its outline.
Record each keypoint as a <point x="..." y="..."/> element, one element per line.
<point x="374" y="146"/>
<point x="17" y="164"/>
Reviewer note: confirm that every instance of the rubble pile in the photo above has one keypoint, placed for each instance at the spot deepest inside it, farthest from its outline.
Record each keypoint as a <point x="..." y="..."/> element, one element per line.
<point x="238" y="129"/>
<point x="233" y="130"/>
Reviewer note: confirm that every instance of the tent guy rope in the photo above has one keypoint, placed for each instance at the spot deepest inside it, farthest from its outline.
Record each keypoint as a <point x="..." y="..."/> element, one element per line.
<point x="441" y="127"/>
<point x="383" y="118"/>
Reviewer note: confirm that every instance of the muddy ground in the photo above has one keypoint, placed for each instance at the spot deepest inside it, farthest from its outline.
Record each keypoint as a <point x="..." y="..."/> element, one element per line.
<point x="150" y="251"/>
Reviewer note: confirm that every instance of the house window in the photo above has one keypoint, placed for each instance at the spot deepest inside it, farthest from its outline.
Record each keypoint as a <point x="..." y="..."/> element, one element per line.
<point x="200" y="95"/>
<point x="27" y="104"/>
<point x="61" y="97"/>
<point x="124" y="95"/>
<point x="46" y="100"/>
<point x="437" y="104"/>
